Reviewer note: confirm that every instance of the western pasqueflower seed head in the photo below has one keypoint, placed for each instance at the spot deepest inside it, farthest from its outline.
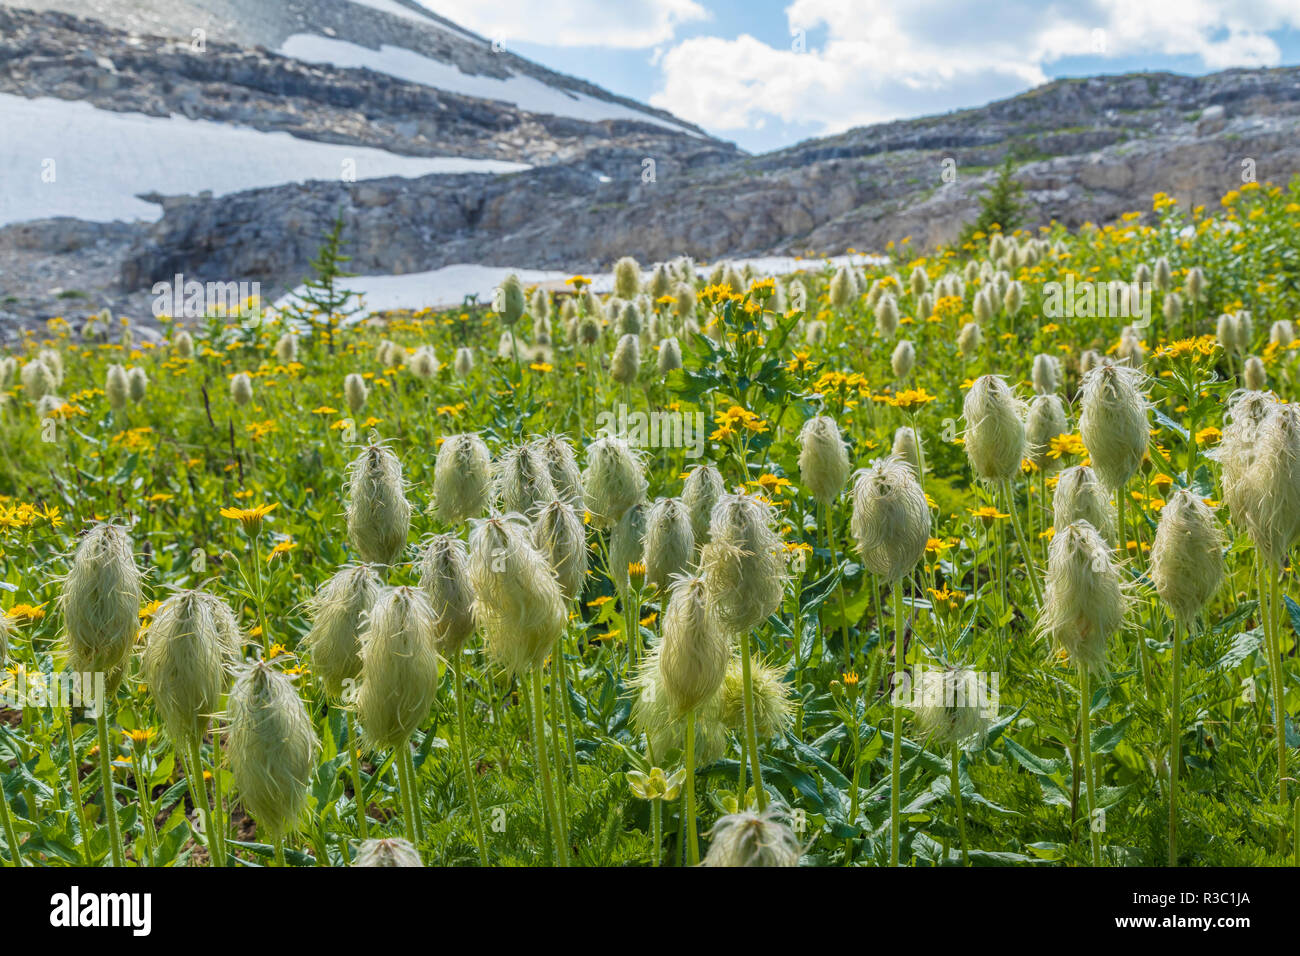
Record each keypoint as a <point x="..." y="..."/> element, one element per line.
<point x="379" y="516"/>
<point x="399" y="667"/>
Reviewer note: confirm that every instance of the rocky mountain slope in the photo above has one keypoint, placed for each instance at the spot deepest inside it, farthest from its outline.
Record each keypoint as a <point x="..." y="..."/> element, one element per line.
<point x="605" y="176"/>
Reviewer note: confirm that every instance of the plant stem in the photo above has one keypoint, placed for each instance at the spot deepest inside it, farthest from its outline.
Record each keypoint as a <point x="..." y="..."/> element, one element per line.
<point x="896" y="744"/>
<point x="414" y="793"/>
<point x="74" y="782"/>
<point x="404" y="788"/>
<point x="11" y="834"/>
<point x="839" y="589"/>
<point x="468" y="768"/>
<point x="692" y="837"/>
<point x="1031" y="571"/>
<point x="106" y="782"/>
<point x="751" y="726"/>
<point x="1175" y="746"/>
<point x="199" y="797"/>
<point x="146" y="805"/>
<point x="960" y="808"/>
<point x="1085" y="725"/>
<point x="358" y="794"/>
<point x="1279" y="683"/>
<point x="559" y="838"/>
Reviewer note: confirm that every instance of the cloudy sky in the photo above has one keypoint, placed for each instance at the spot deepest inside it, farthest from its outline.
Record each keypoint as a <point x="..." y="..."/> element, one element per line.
<point x="767" y="73"/>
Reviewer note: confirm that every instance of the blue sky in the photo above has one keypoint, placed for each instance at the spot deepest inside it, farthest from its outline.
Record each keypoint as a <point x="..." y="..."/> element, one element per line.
<point x="767" y="73"/>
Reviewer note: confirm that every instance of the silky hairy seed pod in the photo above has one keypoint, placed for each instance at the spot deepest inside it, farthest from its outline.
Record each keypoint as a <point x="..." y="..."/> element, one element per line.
<point x="137" y="384"/>
<point x="337" y="612"/>
<point x="906" y="447"/>
<point x="461" y="479"/>
<point x="629" y="319"/>
<point x="1270" y="489"/>
<point x="558" y="533"/>
<point x="8" y="371"/>
<point x="970" y="339"/>
<point x="669" y="542"/>
<point x="286" y="348"/>
<point x="1079" y="496"/>
<point x="510" y="304"/>
<point x="891" y="519"/>
<point x="670" y="355"/>
<point x="1083" y="602"/>
<point x="694" y="651"/>
<point x="655" y="715"/>
<point x="1088" y="361"/>
<point x="995" y="429"/>
<point x="47" y="407"/>
<point x="1187" y="555"/>
<point x="685" y="304"/>
<point x="541" y="307"/>
<point x="517" y="599"/>
<point x="1047" y="374"/>
<point x="815" y="332"/>
<point x="100" y="602"/>
<point x="378" y="513"/>
<point x="1281" y="333"/>
<point x="627" y="278"/>
<point x="183" y="344"/>
<point x="399" y="667"/>
<point x="1245" y="414"/>
<point x="1243" y="331"/>
<point x="823" y="459"/>
<point x="700" y="492"/>
<point x="1254" y="376"/>
<point x="1163" y="276"/>
<point x="842" y="289"/>
<point x="1046" y="420"/>
<point x="389" y="354"/>
<point x="53" y="360"/>
<point x="1113" y="424"/>
<point x="660" y="281"/>
<point x="743" y="562"/>
<point x="887" y="315"/>
<point x="626" y="363"/>
<point x="1014" y="298"/>
<point x="355" y="392"/>
<point x="983" y="307"/>
<point x="613" y="482"/>
<point x="241" y="388"/>
<point x="918" y="282"/>
<point x="116" y="388"/>
<point x="562" y="464"/>
<point x="522" y="479"/>
<point x="903" y="359"/>
<point x="273" y="748"/>
<point x="464" y="362"/>
<point x="185" y="663"/>
<point x="925" y="304"/>
<point x="1195" y="285"/>
<point x="444" y="577"/>
<point x="951" y="707"/>
<point x="773" y="706"/>
<point x="390" y="851"/>
<point x="627" y="546"/>
<point x="1225" y="330"/>
<point x="1173" y="308"/>
<point x="589" y="330"/>
<point x="424" y="363"/>
<point x="753" y="839"/>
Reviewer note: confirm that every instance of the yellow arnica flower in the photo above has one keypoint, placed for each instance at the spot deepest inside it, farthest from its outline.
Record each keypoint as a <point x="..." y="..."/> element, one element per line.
<point x="250" y="518"/>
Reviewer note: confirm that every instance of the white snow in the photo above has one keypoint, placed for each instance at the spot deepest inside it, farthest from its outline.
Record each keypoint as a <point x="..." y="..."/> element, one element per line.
<point x="67" y="158"/>
<point x="525" y="92"/>
<point x="449" y="285"/>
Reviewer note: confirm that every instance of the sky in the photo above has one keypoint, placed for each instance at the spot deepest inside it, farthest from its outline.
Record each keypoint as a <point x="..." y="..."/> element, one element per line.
<point x="768" y="73"/>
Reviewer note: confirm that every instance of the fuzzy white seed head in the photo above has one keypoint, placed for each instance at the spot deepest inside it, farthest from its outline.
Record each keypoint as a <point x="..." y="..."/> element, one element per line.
<point x="1187" y="555"/>
<point x="116" y="388"/>
<point x="1281" y="333"/>
<point x="337" y="611"/>
<point x="753" y="839"/>
<point x="887" y="315"/>
<point x="510" y="300"/>
<point x="1225" y="330"/>
<point x="700" y="492"/>
<point x="1269" y="492"/>
<point x="951" y="706"/>
<point x="444" y="577"/>
<point x="137" y="384"/>
<point x="183" y="344"/>
<point x="1083" y="603"/>
<point x="378" y="513"/>
<point x="907" y="447"/>
<point x="613" y="482"/>
<point x="1245" y="415"/>
<point x="743" y="562"/>
<point x="1253" y="374"/>
<point x="424" y="363"/>
<point x="694" y="651"/>
<point x="1243" y="330"/>
<point x="1113" y="423"/>
<point x="461" y="479"/>
<point x="399" y="667"/>
<point x="241" y="388"/>
<point x="561" y="538"/>
<point x="355" y="392"/>
<point x="100" y="602"/>
<point x="286" y="348"/>
<point x="626" y="363"/>
<point x="517" y="599"/>
<point x="390" y="851"/>
<point x="903" y="360"/>
<point x="464" y="363"/>
<point x="995" y="429"/>
<point x="273" y="748"/>
<point x="627" y="278"/>
<point x="1080" y="496"/>
<point x="823" y="459"/>
<point x="186" y="661"/>
<point x="522" y="479"/>
<point x="1045" y="421"/>
<point x="670" y="355"/>
<point x="969" y="339"/>
<point x="891" y="519"/>
<point x="1046" y="374"/>
<point x="669" y="542"/>
<point x="53" y="360"/>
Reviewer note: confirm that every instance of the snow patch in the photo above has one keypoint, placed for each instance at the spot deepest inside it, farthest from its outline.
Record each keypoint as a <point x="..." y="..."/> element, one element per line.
<point x="71" y="159"/>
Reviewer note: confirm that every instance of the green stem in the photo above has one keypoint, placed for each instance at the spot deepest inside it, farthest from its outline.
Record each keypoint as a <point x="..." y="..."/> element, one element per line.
<point x="960" y="808"/>
<point x="559" y="838"/>
<point x="11" y="834"/>
<point x="568" y="710"/>
<point x="1175" y="746"/>
<point x="146" y="804"/>
<point x="199" y="797"/>
<point x="1279" y="684"/>
<point x="839" y="589"/>
<point x="468" y="768"/>
<point x="692" y="838"/>
<point x="416" y="815"/>
<point x="404" y="788"/>
<point x="106" y="783"/>
<point x="279" y="852"/>
<point x="74" y="782"/>
<point x="751" y="726"/>
<point x="1085" y="723"/>
<point x="557" y="743"/>
<point x="896" y="744"/>
<point x="358" y="794"/>
<point x="218" y="799"/>
<point x="1031" y="571"/>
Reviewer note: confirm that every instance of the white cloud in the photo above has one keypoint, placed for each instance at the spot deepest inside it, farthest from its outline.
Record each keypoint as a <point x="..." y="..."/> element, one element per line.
<point x="633" y="24"/>
<point x="882" y="59"/>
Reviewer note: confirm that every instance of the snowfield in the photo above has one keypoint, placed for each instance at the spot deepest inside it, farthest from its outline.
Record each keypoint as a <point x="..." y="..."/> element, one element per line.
<point x="525" y="92"/>
<point x="67" y="158"/>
